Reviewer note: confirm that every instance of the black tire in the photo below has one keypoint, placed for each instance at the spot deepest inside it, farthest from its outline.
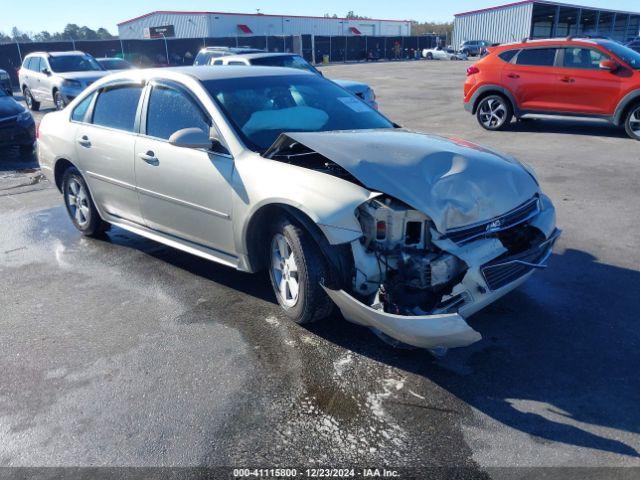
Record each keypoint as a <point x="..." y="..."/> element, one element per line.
<point x="58" y="100"/>
<point x="312" y="302"/>
<point x="429" y="56"/>
<point x="94" y="226"/>
<point x="632" y="122"/>
<point x="30" y="101"/>
<point x="494" y="112"/>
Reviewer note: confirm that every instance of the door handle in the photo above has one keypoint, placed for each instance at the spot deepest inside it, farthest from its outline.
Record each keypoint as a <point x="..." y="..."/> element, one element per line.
<point x="84" y="141"/>
<point x="567" y="80"/>
<point x="513" y="75"/>
<point x="150" y="158"/>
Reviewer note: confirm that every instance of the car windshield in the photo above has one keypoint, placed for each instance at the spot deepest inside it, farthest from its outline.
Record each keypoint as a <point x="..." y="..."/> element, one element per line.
<point x="73" y="63"/>
<point x="630" y="57"/>
<point x="115" y="64"/>
<point x="261" y="108"/>
<point x="291" y="61"/>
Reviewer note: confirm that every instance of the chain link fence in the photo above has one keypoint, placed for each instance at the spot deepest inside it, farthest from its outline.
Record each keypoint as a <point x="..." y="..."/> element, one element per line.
<point x="182" y="51"/>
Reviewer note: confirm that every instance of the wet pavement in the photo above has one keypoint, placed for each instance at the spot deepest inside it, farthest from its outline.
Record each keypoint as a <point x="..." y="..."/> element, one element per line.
<point x="121" y="351"/>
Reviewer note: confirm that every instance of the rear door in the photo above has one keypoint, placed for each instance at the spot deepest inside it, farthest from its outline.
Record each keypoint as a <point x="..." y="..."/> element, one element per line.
<point x="583" y="86"/>
<point x="532" y="76"/>
<point x="35" y="79"/>
<point x="105" y="142"/>
<point x="183" y="192"/>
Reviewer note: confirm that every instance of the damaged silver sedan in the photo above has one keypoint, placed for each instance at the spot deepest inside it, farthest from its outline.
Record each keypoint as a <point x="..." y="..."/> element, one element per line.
<point x="277" y="169"/>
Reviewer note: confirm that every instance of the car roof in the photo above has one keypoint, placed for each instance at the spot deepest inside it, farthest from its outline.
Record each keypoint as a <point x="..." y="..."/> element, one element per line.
<point x="204" y="72"/>
<point x="57" y="54"/>
<point x="252" y="56"/>
<point x="548" y="42"/>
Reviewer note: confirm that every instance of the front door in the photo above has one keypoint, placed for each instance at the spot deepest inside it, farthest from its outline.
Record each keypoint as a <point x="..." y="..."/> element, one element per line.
<point x="583" y="86"/>
<point x="105" y="142"/>
<point x="183" y="192"/>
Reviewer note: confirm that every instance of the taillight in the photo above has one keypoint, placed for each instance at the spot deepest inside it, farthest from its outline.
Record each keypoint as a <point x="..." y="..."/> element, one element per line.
<point x="472" y="70"/>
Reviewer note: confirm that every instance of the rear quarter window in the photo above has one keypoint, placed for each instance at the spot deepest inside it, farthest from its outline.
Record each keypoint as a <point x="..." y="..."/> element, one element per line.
<point x="508" y="55"/>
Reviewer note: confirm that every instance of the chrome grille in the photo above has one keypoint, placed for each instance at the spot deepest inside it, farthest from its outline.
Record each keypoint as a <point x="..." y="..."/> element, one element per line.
<point x="519" y="215"/>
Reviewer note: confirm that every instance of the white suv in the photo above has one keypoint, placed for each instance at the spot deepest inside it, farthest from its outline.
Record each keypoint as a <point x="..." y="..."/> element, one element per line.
<point x="57" y="77"/>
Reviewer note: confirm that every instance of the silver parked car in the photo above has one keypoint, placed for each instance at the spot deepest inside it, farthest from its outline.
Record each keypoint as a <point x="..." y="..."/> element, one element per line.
<point x="291" y="60"/>
<point x="280" y="169"/>
<point x="57" y="77"/>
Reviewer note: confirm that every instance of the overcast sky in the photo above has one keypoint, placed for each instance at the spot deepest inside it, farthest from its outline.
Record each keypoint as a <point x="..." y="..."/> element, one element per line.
<point x="53" y="15"/>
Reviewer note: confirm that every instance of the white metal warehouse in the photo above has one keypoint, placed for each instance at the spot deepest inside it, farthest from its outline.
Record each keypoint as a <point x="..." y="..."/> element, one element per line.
<point x="180" y="24"/>
<point x="543" y="19"/>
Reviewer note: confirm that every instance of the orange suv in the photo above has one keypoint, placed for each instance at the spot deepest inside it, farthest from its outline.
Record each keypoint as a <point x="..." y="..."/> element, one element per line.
<point x="565" y="77"/>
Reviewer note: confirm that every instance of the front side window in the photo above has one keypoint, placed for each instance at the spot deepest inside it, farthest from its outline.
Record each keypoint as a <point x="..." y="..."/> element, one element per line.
<point x="583" y="58"/>
<point x="170" y="110"/>
<point x="261" y="108"/>
<point x="538" y="57"/>
<point x="81" y="110"/>
<point x="74" y="63"/>
<point x="116" y="107"/>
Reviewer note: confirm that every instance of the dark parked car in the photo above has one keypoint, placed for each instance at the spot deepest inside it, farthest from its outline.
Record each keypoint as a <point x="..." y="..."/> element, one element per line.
<point x="17" y="127"/>
<point x="474" y="48"/>
<point x="113" y="64"/>
<point x="5" y="82"/>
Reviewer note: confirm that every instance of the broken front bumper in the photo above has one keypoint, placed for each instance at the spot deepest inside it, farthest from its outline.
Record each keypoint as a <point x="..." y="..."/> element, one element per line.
<point x="484" y="284"/>
<point x="428" y="331"/>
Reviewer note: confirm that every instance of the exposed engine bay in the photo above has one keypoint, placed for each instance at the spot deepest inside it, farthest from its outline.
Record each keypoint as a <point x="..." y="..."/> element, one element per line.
<point x="411" y="275"/>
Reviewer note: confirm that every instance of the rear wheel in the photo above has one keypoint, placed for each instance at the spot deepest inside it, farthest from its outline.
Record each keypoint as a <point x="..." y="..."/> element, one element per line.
<point x="632" y="122"/>
<point x="494" y="112"/>
<point x="80" y="206"/>
<point x="296" y="269"/>
<point x="30" y="101"/>
<point x="58" y="100"/>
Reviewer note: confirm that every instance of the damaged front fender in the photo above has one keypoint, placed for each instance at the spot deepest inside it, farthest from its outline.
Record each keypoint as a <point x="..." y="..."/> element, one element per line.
<point x="425" y="331"/>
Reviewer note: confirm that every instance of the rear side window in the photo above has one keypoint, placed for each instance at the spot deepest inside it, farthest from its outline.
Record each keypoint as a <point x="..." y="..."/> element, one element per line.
<point x="27" y="63"/>
<point x="171" y="110"/>
<point x="81" y="110"/>
<point x="508" y="55"/>
<point x="116" y="107"/>
<point x="35" y="64"/>
<point x="539" y="57"/>
<point x="583" y="58"/>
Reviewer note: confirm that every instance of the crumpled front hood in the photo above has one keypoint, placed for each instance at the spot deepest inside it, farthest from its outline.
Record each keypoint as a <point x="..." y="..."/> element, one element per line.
<point x="454" y="182"/>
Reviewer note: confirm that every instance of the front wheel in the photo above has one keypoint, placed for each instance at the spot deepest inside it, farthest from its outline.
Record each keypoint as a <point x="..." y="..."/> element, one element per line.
<point x="494" y="113"/>
<point x="429" y="56"/>
<point x="80" y="206"/>
<point x="632" y="123"/>
<point x="296" y="269"/>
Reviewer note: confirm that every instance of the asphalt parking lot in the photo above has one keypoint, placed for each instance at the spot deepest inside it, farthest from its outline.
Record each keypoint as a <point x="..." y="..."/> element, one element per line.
<point x="125" y="352"/>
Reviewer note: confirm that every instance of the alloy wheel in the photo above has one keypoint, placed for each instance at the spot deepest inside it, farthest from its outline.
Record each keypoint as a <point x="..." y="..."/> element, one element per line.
<point x="58" y="101"/>
<point x="284" y="270"/>
<point x="78" y="202"/>
<point x="634" y="122"/>
<point x="28" y="99"/>
<point x="493" y="113"/>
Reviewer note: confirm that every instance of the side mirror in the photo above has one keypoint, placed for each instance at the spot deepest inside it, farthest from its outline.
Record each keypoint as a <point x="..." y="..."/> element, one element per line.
<point x="46" y="71"/>
<point x="609" y="65"/>
<point x="190" y="138"/>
